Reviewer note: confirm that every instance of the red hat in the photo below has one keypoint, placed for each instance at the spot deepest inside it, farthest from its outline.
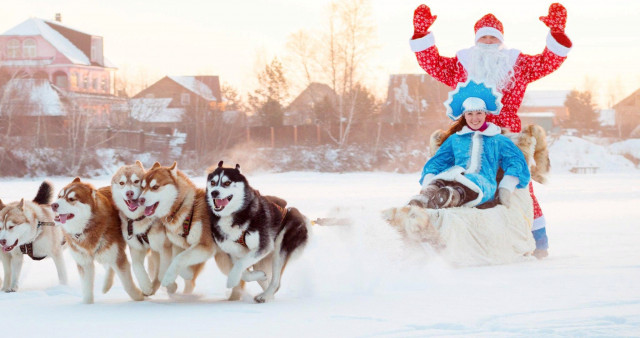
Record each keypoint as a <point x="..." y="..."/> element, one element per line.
<point x="489" y="25"/>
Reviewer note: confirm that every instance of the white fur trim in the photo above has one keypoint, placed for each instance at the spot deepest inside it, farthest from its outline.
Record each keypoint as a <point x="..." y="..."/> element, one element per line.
<point x="427" y="179"/>
<point x="464" y="56"/>
<point x="539" y="223"/>
<point x="491" y="130"/>
<point x="509" y="182"/>
<point x="489" y="31"/>
<point x="420" y="44"/>
<point x="473" y="104"/>
<point x="555" y="47"/>
<point x="476" y="152"/>
<point x="455" y="174"/>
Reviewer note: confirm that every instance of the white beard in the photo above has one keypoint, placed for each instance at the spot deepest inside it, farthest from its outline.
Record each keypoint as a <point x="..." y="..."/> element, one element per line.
<point x="491" y="65"/>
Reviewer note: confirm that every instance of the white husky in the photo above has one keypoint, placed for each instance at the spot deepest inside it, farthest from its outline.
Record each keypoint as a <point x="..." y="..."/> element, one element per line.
<point x="28" y="228"/>
<point x="142" y="234"/>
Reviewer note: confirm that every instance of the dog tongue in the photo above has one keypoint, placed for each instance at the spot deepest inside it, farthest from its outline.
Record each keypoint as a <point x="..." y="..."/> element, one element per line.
<point x="63" y="218"/>
<point x="221" y="202"/>
<point x="132" y="204"/>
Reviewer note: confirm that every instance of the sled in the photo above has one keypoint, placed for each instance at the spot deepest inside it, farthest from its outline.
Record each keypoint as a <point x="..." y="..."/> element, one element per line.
<point x="472" y="236"/>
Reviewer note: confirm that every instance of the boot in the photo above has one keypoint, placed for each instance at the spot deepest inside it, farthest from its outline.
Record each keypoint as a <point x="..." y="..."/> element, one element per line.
<point x="449" y="197"/>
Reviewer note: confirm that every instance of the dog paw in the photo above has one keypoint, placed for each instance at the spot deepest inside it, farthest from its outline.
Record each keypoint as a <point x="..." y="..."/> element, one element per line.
<point x="9" y="290"/>
<point x="154" y="286"/>
<point x="172" y="288"/>
<point x="263" y="297"/>
<point x="168" y="279"/>
<point x="252" y="276"/>
<point x="236" y="294"/>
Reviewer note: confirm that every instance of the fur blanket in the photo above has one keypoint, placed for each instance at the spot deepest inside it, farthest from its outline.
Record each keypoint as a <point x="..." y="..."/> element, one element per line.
<point x="471" y="236"/>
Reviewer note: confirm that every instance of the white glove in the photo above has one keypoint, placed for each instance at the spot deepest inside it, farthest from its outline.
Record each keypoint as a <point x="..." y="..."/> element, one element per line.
<point x="505" y="196"/>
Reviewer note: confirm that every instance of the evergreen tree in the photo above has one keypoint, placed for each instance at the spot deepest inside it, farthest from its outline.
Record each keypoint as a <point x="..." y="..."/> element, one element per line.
<point x="583" y="114"/>
<point x="273" y="90"/>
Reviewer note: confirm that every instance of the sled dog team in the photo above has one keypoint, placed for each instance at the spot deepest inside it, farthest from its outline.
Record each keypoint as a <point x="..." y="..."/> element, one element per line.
<point x="162" y="216"/>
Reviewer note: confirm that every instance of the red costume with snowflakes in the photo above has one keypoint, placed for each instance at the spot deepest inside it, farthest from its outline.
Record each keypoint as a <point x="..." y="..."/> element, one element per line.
<point x="521" y="69"/>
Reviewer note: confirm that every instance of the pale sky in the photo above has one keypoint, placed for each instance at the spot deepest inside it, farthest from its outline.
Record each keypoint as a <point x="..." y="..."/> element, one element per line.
<point x="190" y="37"/>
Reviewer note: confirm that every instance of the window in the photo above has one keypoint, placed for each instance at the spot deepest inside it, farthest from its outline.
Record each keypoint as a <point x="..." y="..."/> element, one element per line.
<point x="13" y="48"/>
<point x="74" y="80"/>
<point x="185" y="99"/>
<point x="85" y="81"/>
<point x="60" y="79"/>
<point x="94" y="83"/>
<point x="103" y="84"/>
<point x="29" y="48"/>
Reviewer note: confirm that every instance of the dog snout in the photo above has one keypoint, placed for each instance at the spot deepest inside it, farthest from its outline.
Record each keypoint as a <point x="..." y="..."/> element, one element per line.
<point x="3" y="242"/>
<point x="129" y="194"/>
<point x="141" y="200"/>
<point x="55" y="207"/>
<point x="215" y="193"/>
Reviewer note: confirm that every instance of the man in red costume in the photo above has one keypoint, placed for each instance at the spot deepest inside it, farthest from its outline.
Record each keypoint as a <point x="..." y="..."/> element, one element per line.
<point x="509" y="70"/>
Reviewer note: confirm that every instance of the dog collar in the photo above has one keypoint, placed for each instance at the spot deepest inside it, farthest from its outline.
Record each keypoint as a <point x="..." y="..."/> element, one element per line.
<point x="50" y="224"/>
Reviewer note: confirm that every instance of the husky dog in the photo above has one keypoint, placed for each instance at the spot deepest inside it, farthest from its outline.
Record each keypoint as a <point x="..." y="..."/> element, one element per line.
<point x="92" y="229"/>
<point x="169" y="195"/>
<point x="142" y="234"/>
<point x="28" y="228"/>
<point x="255" y="231"/>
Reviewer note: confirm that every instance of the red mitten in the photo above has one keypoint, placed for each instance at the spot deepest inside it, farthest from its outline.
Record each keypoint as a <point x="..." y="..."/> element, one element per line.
<point x="557" y="18"/>
<point x="422" y="20"/>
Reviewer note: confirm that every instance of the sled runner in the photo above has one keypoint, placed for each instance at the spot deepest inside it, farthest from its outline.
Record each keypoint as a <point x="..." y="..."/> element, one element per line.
<point x="473" y="236"/>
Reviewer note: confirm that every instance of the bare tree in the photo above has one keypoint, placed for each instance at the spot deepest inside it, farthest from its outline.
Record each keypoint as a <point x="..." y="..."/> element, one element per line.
<point x="346" y="48"/>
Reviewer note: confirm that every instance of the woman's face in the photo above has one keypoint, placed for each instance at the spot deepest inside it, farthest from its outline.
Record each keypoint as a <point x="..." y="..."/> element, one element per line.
<point x="475" y="118"/>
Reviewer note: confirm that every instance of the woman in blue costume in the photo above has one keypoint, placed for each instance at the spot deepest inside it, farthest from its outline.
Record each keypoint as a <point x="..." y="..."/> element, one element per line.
<point x="463" y="170"/>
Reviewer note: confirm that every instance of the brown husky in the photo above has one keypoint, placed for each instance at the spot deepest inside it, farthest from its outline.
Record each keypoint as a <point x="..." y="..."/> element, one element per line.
<point x="92" y="228"/>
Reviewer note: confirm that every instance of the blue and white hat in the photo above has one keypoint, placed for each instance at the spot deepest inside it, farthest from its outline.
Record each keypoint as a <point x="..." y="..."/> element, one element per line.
<point x="471" y="95"/>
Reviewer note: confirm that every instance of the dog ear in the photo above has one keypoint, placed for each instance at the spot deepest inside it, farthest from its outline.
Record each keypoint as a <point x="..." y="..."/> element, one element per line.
<point x="2" y="205"/>
<point x="237" y="167"/>
<point x="21" y="204"/>
<point x="139" y="164"/>
<point x="76" y="180"/>
<point x="389" y="214"/>
<point x="220" y="164"/>
<point x="174" y="168"/>
<point x="156" y="165"/>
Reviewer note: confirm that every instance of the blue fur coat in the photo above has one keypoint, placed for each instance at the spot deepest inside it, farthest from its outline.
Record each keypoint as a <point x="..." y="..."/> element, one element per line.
<point x="473" y="158"/>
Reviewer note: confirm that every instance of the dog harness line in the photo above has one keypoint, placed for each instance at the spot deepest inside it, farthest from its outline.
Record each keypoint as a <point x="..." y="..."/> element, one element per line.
<point x="242" y="241"/>
<point x="27" y="249"/>
<point x="186" y="224"/>
<point x="142" y="238"/>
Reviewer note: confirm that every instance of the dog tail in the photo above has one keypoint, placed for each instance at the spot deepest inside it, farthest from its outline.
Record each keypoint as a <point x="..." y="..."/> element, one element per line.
<point x="45" y="193"/>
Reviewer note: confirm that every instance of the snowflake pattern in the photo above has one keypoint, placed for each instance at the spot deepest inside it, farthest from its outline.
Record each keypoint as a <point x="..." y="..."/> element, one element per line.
<point x="557" y="18"/>
<point x="422" y="20"/>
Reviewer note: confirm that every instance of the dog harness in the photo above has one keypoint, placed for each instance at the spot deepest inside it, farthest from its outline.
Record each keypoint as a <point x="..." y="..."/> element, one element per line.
<point x="27" y="249"/>
<point x="186" y="224"/>
<point x="142" y="237"/>
<point x="242" y="239"/>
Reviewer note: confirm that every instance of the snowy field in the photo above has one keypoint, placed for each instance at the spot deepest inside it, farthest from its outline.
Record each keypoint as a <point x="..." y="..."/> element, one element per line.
<point x="358" y="280"/>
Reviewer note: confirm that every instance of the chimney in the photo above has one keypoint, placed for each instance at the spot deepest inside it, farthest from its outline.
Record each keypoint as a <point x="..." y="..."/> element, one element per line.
<point x="58" y="17"/>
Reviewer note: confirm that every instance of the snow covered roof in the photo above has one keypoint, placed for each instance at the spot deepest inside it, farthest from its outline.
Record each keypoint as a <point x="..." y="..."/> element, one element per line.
<point x="155" y="110"/>
<point x="31" y="97"/>
<point x="35" y="26"/>
<point x="545" y="98"/>
<point x="538" y="114"/>
<point x="197" y="87"/>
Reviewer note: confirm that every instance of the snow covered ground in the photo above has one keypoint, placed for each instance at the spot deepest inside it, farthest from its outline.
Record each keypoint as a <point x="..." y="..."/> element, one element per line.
<point x="358" y="280"/>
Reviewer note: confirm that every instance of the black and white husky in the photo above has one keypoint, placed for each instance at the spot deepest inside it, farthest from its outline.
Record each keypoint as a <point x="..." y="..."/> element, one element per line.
<point x="256" y="231"/>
